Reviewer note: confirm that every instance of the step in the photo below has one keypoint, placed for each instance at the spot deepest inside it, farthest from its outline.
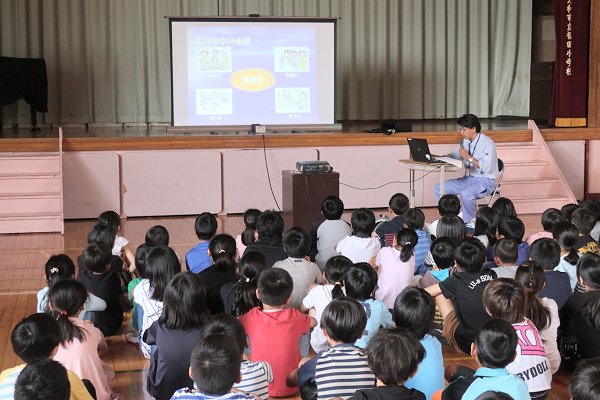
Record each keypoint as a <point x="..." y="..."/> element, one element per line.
<point x="537" y="204"/>
<point x="542" y="187"/>
<point x="29" y="175"/>
<point x="528" y="169"/>
<point x="30" y="185"/>
<point x="28" y="204"/>
<point x="5" y="216"/>
<point x="40" y="224"/>
<point x="19" y="166"/>
<point x="29" y="195"/>
<point x="518" y="152"/>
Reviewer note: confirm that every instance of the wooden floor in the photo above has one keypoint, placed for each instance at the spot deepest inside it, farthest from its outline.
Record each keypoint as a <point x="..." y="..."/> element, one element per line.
<point x="22" y="259"/>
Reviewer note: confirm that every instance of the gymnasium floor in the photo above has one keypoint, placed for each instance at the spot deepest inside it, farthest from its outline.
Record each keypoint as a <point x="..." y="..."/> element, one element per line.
<point x="22" y="258"/>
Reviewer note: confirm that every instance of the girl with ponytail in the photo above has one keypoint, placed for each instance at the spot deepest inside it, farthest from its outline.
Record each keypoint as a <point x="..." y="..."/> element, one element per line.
<point x="223" y="251"/>
<point x="249" y="234"/>
<point x="240" y="297"/>
<point x="396" y="267"/>
<point x="580" y="316"/>
<point x="81" y="342"/>
<point x="543" y="312"/>
<point x="319" y="296"/>
<point x="566" y="234"/>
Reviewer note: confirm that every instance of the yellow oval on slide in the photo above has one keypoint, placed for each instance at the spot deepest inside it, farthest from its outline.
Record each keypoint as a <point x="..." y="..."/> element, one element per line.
<point x="252" y="79"/>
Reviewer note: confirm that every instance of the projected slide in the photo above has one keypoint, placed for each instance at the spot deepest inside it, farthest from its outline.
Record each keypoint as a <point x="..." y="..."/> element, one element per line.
<point x="247" y="72"/>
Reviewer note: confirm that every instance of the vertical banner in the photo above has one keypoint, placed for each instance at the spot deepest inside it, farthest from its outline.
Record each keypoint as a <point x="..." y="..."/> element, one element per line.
<point x="569" y="98"/>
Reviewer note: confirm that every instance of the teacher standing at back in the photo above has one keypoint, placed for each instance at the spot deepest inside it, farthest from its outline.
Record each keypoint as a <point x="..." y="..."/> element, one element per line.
<point x="478" y="154"/>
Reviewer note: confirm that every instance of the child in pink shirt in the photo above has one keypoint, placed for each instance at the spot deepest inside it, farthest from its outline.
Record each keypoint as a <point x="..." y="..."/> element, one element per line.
<point x="274" y="331"/>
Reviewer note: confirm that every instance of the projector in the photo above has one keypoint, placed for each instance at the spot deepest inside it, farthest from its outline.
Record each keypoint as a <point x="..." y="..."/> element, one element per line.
<point x="313" y="166"/>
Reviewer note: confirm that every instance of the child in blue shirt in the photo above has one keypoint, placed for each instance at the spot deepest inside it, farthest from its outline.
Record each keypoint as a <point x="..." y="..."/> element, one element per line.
<point x="198" y="258"/>
<point x="415" y="219"/>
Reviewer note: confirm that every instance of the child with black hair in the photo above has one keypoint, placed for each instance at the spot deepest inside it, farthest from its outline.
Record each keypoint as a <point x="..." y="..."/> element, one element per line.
<point x="494" y="348"/>
<point x="513" y="228"/>
<point x="542" y="311"/>
<point x="223" y="251"/>
<point x="162" y="264"/>
<point x="304" y="273"/>
<point x="33" y="339"/>
<point x="198" y="257"/>
<point x="415" y="219"/>
<point x="275" y="330"/>
<point x="214" y="367"/>
<point x="157" y="235"/>
<point x="550" y="217"/>
<point x="249" y="234"/>
<point x="177" y="331"/>
<point x="58" y="268"/>
<point x="325" y="376"/>
<point x="394" y="355"/>
<point x="459" y="297"/>
<point x="360" y="282"/>
<point x="585" y="221"/>
<point x="580" y="316"/>
<point x="239" y="297"/>
<point x="103" y="283"/>
<point x="256" y="375"/>
<point x="506" y="299"/>
<point x="485" y="226"/>
<point x="140" y="262"/>
<point x="442" y="254"/>
<point x="566" y="234"/>
<point x="395" y="266"/>
<point x="386" y="231"/>
<point x="584" y="380"/>
<point x="504" y="208"/>
<point x="269" y="228"/>
<point x="80" y="342"/>
<point x="506" y="253"/>
<point x="361" y="246"/>
<point x="121" y="247"/>
<point x="319" y="296"/>
<point x="448" y="204"/>
<point x="414" y="309"/>
<point x="328" y="233"/>
<point x="105" y="233"/>
<point x="547" y="253"/>
<point x="594" y="207"/>
<point x="567" y="210"/>
<point x="43" y="380"/>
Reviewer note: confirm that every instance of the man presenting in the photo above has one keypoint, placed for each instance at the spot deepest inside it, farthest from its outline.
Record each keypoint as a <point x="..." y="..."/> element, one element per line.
<point x="478" y="153"/>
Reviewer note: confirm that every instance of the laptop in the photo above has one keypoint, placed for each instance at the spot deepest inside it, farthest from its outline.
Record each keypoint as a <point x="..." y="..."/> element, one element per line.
<point x="419" y="151"/>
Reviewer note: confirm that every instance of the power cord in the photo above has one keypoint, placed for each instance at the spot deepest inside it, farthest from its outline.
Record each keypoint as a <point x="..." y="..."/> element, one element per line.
<point x="268" y="174"/>
<point x="389" y="183"/>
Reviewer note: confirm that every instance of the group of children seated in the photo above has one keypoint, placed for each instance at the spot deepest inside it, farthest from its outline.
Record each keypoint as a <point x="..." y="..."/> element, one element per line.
<point x="355" y="310"/>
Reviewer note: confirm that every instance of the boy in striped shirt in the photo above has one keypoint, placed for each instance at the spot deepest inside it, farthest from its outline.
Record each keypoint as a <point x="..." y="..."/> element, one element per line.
<point x="343" y="369"/>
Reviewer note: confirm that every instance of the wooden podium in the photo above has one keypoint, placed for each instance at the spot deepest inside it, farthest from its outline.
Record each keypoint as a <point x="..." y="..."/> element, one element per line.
<point x="303" y="194"/>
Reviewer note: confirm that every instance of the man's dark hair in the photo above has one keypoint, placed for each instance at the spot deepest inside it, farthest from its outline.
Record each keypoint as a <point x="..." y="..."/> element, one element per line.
<point x="394" y="355"/>
<point x="363" y="222"/>
<point x="206" y="226"/>
<point x="496" y="343"/>
<point x="43" y="380"/>
<point x="585" y="380"/>
<point x="470" y="255"/>
<point x="584" y="220"/>
<point x="274" y="286"/>
<point x="96" y="257"/>
<point x="469" y="121"/>
<point x="550" y="218"/>
<point x="511" y="228"/>
<point x="442" y="251"/>
<point x="344" y="320"/>
<point x="215" y="364"/>
<point x="360" y="281"/>
<point x="449" y="204"/>
<point x="399" y="203"/>
<point x="332" y="207"/>
<point x="270" y="227"/>
<point x="414" y="219"/>
<point x="414" y="309"/>
<point x="35" y="337"/>
<point x="507" y="251"/>
<point x="296" y="242"/>
<point x="546" y="252"/>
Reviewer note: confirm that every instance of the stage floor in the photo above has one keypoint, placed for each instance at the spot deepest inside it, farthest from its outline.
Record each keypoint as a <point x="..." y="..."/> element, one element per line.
<point x="140" y="130"/>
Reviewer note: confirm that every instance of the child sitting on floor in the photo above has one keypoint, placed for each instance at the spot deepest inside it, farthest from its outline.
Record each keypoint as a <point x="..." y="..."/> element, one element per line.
<point x="549" y="219"/>
<point x="197" y="259"/>
<point x="386" y="231"/>
<point x="566" y="234"/>
<point x="361" y="246"/>
<point x="121" y="247"/>
<point x="240" y="297"/>
<point x="506" y="253"/>
<point x="43" y="380"/>
<point x="329" y="232"/>
<point x="157" y="235"/>
<point x="584" y="380"/>
<point x="546" y="252"/>
<point x="249" y="233"/>
<point x="448" y="204"/>
<point x="415" y="219"/>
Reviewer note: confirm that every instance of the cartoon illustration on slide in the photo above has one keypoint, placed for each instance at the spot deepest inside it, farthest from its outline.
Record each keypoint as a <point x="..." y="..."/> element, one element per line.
<point x="214" y="59"/>
<point x="291" y="59"/>
<point x="292" y="100"/>
<point x="213" y="101"/>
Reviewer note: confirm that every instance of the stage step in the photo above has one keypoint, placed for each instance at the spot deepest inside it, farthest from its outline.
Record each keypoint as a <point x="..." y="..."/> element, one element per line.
<point x="532" y="180"/>
<point x="31" y="193"/>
